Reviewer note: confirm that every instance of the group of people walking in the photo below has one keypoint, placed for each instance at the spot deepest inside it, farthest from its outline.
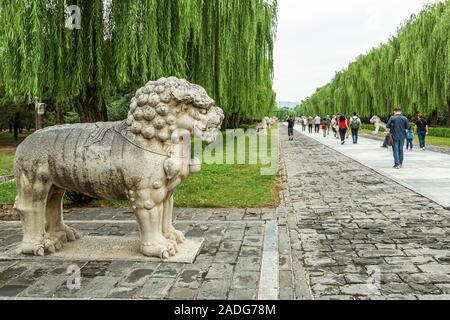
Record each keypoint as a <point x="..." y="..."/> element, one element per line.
<point x="340" y="125"/>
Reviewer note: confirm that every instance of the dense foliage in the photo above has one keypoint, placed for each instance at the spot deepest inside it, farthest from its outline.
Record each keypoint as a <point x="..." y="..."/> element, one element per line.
<point x="412" y="71"/>
<point x="224" y="45"/>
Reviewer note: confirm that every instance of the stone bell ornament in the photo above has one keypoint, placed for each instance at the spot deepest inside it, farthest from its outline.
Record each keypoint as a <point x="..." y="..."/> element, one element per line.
<point x="143" y="159"/>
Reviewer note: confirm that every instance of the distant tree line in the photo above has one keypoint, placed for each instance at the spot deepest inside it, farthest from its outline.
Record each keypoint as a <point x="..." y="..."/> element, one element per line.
<point x="411" y="71"/>
<point x="225" y="46"/>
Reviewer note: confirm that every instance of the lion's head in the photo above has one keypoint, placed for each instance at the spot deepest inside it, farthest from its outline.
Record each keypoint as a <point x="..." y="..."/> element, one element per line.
<point x="163" y="106"/>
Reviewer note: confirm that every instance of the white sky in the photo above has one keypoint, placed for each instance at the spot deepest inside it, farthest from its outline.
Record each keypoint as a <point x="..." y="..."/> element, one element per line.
<point x="316" y="38"/>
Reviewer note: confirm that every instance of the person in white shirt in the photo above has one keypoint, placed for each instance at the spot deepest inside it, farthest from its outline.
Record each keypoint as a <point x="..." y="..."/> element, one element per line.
<point x="317" y="122"/>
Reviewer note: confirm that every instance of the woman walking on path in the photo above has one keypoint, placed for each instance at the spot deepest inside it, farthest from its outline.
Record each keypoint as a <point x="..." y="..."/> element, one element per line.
<point x="355" y="124"/>
<point x="333" y="126"/>
<point x="304" y="124"/>
<point x="324" y="127"/>
<point x="310" y="124"/>
<point x="421" y="129"/>
<point x="328" y="120"/>
<point x="409" y="138"/>
<point x="343" y="128"/>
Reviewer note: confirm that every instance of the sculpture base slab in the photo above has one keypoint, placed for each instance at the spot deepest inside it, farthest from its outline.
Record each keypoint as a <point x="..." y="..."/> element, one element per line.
<point x="111" y="249"/>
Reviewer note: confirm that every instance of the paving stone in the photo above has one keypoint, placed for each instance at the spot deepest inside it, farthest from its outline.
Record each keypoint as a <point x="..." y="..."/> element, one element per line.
<point x="360" y="290"/>
<point x="243" y="294"/>
<point x="182" y="293"/>
<point x="425" y="278"/>
<point x="253" y="241"/>
<point x="220" y="271"/>
<point x="248" y="264"/>
<point x="99" y="287"/>
<point x="286" y="294"/>
<point x="335" y="298"/>
<point x="156" y="288"/>
<point x="45" y="286"/>
<point x="445" y="297"/>
<point x="136" y="278"/>
<point x="226" y="257"/>
<point x="229" y="245"/>
<point x="245" y="280"/>
<point x="215" y="289"/>
<point x="409" y="260"/>
<point x="168" y="271"/>
<point x="395" y="288"/>
<point x="190" y="278"/>
<point x="444" y="287"/>
<point x="435" y="268"/>
<point x="11" y="290"/>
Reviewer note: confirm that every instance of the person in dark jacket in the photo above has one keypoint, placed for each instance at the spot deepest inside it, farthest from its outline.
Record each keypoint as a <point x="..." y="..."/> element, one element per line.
<point x="291" y="124"/>
<point x="421" y="129"/>
<point x="398" y="125"/>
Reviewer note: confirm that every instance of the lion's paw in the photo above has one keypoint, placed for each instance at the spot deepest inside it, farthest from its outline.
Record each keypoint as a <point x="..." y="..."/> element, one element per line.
<point x="162" y="249"/>
<point x="55" y="239"/>
<point x="174" y="235"/>
<point x="36" y="249"/>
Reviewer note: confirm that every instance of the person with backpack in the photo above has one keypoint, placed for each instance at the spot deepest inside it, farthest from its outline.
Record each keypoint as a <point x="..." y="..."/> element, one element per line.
<point x="328" y="120"/>
<point x="355" y="125"/>
<point x="421" y="129"/>
<point x="409" y="138"/>
<point x="343" y="128"/>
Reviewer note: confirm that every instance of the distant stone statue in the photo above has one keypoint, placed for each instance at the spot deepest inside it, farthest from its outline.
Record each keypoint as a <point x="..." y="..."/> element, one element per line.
<point x="265" y="123"/>
<point x="262" y="127"/>
<point x="378" y="124"/>
<point x="143" y="159"/>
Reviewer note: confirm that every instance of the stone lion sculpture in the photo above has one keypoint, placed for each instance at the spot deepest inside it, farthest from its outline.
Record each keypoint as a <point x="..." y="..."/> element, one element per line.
<point x="378" y="124"/>
<point x="142" y="159"/>
<point x="265" y="123"/>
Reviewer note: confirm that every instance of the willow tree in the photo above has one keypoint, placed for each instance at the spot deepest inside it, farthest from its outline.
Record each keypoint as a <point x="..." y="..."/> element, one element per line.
<point x="411" y="70"/>
<point x="224" y="45"/>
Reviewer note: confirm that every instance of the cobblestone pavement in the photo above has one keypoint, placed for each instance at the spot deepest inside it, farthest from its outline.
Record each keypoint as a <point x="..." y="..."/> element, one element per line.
<point x="344" y="232"/>
<point x="355" y="234"/>
<point x="228" y="266"/>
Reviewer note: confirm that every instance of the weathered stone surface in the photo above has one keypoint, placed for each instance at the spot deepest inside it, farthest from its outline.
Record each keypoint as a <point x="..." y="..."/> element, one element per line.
<point x="143" y="159"/>
<point x="348" y="225"/>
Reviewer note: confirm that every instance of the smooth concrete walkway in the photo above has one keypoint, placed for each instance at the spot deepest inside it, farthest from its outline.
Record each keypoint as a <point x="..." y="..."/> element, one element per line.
<point x="427" y="173"/>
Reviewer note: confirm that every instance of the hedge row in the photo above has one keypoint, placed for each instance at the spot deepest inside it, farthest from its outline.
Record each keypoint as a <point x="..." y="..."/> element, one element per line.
<point x="435" y="132"/>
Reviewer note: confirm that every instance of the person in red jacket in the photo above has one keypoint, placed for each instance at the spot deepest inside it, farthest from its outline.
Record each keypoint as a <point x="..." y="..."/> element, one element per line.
<point x="324" y="127"/>
<point x="343" y="128"/>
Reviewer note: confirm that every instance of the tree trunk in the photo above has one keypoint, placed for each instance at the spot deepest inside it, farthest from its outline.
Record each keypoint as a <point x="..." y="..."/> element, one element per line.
<point x="16" y="126"/>
<point x="433" y="118"/>
<point x="10" y="127"/>
<point x="448" y="113"/>
<point x="59" y="117"/>
<point x="92" y="110"/>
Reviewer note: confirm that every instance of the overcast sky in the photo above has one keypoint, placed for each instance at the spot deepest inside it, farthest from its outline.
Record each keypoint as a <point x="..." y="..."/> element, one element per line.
<point x="316" y="38"/>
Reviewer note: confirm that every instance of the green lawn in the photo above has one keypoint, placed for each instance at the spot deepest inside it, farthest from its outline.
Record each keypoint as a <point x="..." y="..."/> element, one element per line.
<point x="216" y="185"/>
<point x="6" y="164"/>
<point x="435" y="141"/>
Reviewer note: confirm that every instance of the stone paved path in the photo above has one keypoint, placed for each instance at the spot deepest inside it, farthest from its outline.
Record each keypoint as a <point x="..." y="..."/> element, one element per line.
<point x="355" y="234"/>
<point x="427" y="173"/>
<point x="343" y="231"/>
<point x="228" y="266"/>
